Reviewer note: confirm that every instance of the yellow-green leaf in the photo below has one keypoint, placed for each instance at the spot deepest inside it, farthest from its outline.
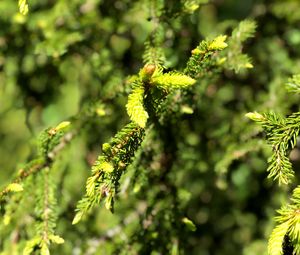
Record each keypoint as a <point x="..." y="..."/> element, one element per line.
<point x="77" y="218"/>
<point x="108" y="201"/>
<point x="62" y="125"/>
<point x="6" y="219"/>
<point x="23" y="7"/>
<point x="15" y="187"/>
<point x="56" y="239"/>
<point x="255" y="116"/>
<point x="106" y="167"/>
<point x="171" y="81"/>
<point x="30" y="245"/>
<point x="248" y="65"/>
<point x="190" y="225"/>
<point x="90" y="185"/>
<point x="135" y="107"/>
<point x="218" y="43"/>
<point x="45" y="249"/>
<point x="106" y="147"/>
<point x="277" y="237"/>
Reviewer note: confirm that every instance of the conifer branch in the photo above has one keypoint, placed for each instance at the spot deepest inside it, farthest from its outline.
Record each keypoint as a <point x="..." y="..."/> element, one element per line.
<point x="150" y="89"/>
<point x="235" y="59"/>
<point x="46" y="206"/>
<point x="154" y="55"/>
<point x="203" y="60"/>
<point x="288" y="226"/>
<point x="154" y="52"/>
<point x="277" y="238"/>
<point x="108" y="168"/>
<point x="282" y="134"/>
<point x="52" y="140"/>
<point x="293" y="84"/>
<point x="30" y="169"/>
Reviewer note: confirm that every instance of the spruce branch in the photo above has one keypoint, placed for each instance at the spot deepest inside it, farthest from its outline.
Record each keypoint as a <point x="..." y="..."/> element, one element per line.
<point x="154" y="51"/>
<point x="282" y="134"/>
<point x="108" y="169"/>
<point x="149" y="78"/>
<point x="244" y="30"/>
<point x="203" y="59"/>
<point x="118" y="153"/>
<point x="152" y="86"/>
<point x="154" y="55"/>
<point x="276" y="239"/>
<point x="293" y="84"/>
<point x="46" y="211"/>
<point x="51" y="141"/>
<point x="288" y="227"/>
<point x="31" y="168"/>
<point x="235" y="59"/>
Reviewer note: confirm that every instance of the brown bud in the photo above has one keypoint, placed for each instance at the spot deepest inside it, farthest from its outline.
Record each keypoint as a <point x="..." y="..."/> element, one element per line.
<point x="149" y="69"/>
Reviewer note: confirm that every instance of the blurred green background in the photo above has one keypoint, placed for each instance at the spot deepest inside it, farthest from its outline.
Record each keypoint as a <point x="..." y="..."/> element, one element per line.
<point x="73" y="58"/>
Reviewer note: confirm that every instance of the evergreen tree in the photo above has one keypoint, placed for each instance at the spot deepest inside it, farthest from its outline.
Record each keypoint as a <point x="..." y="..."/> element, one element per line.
<point x="129" y="117"/>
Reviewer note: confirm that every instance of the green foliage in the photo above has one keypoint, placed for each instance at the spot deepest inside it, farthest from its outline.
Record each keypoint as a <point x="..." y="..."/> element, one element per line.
<point x="183" y="169"/>
<point x="149" y="78"/>
<point x="46" y="212"/>
<point x="288" y="226"/>
<point x="236" y="60"/>
<point x="23" y="7"/>
<point x="293" y="84"/>
<point x="283" y="10"/>
<point x="51" y="141"/>
<point x="135" y="106"/>
<point x="170" y="81"/>
<point x="108" y="169"/>
<point x="203" y="57"/>
<point x="192" y="5"/>
<point x="282" y="135"/>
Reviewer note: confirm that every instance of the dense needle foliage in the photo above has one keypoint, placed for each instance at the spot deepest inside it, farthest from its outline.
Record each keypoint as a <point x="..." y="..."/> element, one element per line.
<point x="149" y="127"/>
